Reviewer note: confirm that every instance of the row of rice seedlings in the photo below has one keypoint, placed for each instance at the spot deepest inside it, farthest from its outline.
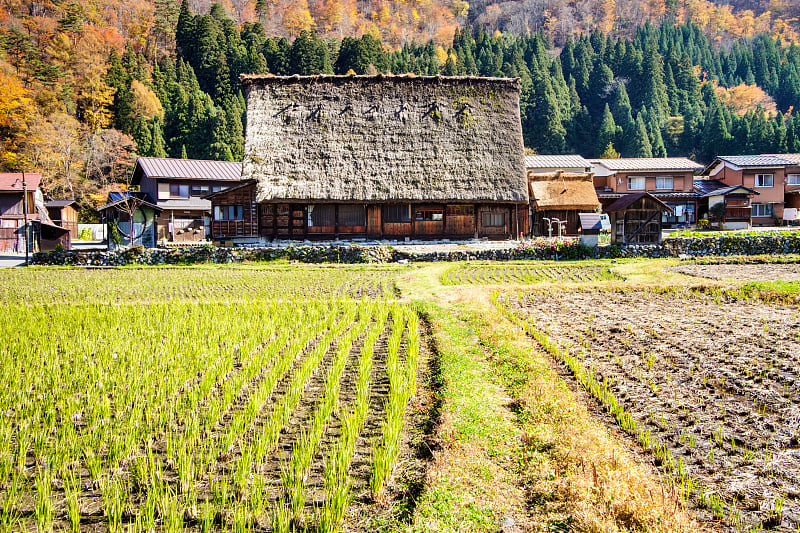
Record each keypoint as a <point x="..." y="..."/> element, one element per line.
<point x="115" y="434"/>
<point x="196" y="462"/>
<point x="294" y="473"/>
<point x="402" y="383"/>
<point x="117" y="442"/>
<point x="600" y="390"/>
<point x="184" y="451"/>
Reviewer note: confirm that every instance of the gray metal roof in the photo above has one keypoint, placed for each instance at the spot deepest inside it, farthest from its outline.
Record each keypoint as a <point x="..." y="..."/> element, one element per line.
<point x="556" y="161"/>
<point x="639" y="164"/>
<point x="744" y="161"/>
<point x="718" y="188"/>
<point x="195" y="169"/>
<point x="59" y="203"/>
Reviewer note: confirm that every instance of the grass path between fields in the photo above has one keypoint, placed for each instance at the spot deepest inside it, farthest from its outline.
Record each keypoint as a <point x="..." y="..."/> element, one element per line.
<point x="516" y="449"/>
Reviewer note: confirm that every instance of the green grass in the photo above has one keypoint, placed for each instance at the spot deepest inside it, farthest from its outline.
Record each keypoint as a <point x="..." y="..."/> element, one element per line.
<point x="735" y="233"/>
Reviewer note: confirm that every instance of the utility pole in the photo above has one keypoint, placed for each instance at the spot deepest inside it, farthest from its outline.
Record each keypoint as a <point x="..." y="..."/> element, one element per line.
<point x="25" y="214"/>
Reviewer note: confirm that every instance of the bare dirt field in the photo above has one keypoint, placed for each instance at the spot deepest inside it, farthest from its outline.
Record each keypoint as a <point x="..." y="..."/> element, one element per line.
<point x="713" y="385"/>
<point x="756" y="272"/>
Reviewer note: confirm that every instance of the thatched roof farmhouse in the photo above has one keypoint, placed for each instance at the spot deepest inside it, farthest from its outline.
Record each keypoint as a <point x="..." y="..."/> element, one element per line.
<point x="385" y="156"/>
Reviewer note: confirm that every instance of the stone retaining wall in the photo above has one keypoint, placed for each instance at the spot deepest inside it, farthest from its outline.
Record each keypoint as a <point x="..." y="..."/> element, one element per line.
<point x="536" y="250"/>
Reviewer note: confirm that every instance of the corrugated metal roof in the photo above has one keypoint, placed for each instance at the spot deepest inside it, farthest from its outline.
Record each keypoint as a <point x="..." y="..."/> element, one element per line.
<point x="649" y="164"/>
<point x="196" y="169"/>
<point x="556" y="161"/>
<point x="59" y="203"/>
<point x="629" y="199"/>
<point x="12" y="181"/>
<point x="744" y="161"/>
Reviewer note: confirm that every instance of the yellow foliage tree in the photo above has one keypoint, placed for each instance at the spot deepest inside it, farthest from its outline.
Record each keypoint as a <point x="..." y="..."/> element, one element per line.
<point x="297" y="18"/>
<point x="608" y="15"/>
<point x="145" y="102"/>
<point x="16" y="112"/>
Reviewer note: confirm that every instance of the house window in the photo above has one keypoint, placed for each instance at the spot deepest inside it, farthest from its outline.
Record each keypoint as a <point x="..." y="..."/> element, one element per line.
<point x="200" y="190"/>
<point x="665" y="183"/>
<point x="493" y="219"/>
<point x="430" y="215"/>
<point x="764" y="180"/>
<point x="793" y="179"/>
<point x="460" y="210"/>
<point x="177" y="190"/>
<point x="352" y="215"/>
<point x="397" y="213"/>
<point x="636" y="184"/>
<point x="228" y="212"/>
<point x="761" y="210"/>
<point x="321" y="215"/>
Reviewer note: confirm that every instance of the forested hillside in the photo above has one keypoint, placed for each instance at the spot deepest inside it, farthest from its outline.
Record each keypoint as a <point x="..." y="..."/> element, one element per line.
<point x="87" y="86"/>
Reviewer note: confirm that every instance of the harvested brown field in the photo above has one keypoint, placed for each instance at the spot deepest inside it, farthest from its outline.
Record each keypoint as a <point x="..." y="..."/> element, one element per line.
<point x="712" y="389"/>
<point x="743" y="272"/>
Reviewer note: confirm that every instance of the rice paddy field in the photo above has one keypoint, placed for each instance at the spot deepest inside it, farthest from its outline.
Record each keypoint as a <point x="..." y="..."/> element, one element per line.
<point x="199" y="400"/>
<point x="596" y="396"/>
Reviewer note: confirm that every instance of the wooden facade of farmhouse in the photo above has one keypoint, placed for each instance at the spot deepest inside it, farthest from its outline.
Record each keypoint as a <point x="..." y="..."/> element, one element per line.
<point x="237" y="216"/>
<point x="384" y="157"/>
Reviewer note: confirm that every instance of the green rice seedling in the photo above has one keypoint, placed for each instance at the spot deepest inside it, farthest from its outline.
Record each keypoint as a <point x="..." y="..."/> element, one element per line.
<point x="72" y="490"/>
<point x="282" y="517"/>
<point x="115" y="498"/>
<point x="241" y="521"/>
<point x="9" y="515"/>
<point x="207" y="518"/>
<point x="43" y="510"/>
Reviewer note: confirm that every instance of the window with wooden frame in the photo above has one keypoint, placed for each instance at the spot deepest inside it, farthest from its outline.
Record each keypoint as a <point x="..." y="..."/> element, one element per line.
<point x="665" y="184"/>
<point x="764" y="180"/>
<point x="636" y="184"/>
<point x="762" y="210"/>
<point x="793" y="179"/>
<point x="429" y="215"/>
<point x="493" y="219"/>
<point x="228" y="212"/>
<point x="321" y="215"/>
<point x="395" y="213"/>
<point x="352" y="215"/>
<point x="178" y="190"/>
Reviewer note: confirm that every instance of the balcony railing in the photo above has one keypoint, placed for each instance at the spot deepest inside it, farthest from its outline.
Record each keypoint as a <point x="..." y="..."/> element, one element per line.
<point x="737" y="213"/>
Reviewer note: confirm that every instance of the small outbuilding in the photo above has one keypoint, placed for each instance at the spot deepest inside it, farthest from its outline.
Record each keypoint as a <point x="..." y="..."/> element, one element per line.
<point x="131" y="219"/>
<point x="64" y="214"/>
<point x="636" y="219"/>
<point x="557" y="198"/>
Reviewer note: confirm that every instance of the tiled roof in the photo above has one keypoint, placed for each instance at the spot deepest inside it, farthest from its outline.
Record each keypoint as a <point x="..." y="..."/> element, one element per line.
<point x="197" y="169"/>
<point x="12" y="181"/>
<point x="717" y="188"/>
<point x="794" y="158"/>
<point x="649" y="164"/>
<point x="707" y="186"/>
<point x="743" y="161"/>
<point x="556" y="161"/>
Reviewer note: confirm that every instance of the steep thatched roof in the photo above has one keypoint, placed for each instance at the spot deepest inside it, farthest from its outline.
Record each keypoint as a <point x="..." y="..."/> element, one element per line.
<point x="384" y="138"/>
<point x="563" y="190"/>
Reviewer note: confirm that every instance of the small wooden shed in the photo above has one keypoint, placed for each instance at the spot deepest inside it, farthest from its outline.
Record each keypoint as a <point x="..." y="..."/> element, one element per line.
<point x="560" y="195"/>
<point x="64" y="214"/>
<point x="131" y="219"/>
<point x="636" y="219"/>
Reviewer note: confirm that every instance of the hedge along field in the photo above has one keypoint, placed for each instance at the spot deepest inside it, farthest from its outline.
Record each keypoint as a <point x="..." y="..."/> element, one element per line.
<point x="259" y="415"/>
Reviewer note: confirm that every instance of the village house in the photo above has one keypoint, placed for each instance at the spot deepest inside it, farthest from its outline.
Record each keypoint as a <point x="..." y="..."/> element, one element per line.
<point x="669" y="179"/>
<point x="381" y="157"/>
<point x="178" y="188"/>
<point x="21" y="201"/>
<point x="130" y="218"/>
<point x="775" y="177"/>
<point x="560" y="188"/>
<point x="735" y="199"/>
